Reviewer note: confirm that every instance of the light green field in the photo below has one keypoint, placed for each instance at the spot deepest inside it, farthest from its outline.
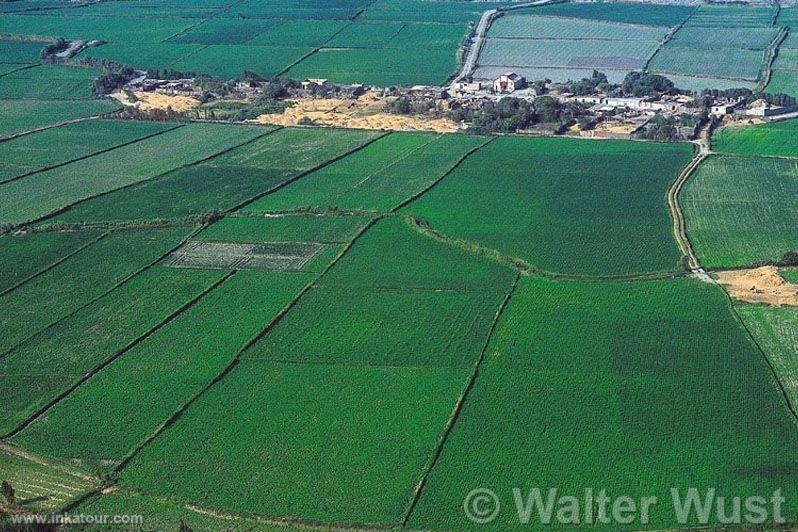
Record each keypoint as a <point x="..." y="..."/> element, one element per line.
<point x="776" y="138"/>
<point x="25" y="115"/>
<point x="739" y="210"/>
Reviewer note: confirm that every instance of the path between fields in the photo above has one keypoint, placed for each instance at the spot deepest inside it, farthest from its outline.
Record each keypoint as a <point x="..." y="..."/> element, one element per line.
<point x="478" y="40"/>
<point x="679" y="224"/>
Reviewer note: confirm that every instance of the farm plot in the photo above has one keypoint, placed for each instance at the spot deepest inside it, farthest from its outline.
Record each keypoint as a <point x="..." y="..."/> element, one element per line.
<point x="775" y="138"/>
<point x="122" y="405"/>
<point x="371" y="187"/>
<point x="416" y="64"/>
<point x="224" y="181"/>
<point x="41" y="485"/>
<point x="526" y="25"/>
<point x="291" y="228"/>
<point x="48" y="82"/>
<point x="783" y="81"/>
<point x="47" y="365"/>
<point x="787" y="59"/>
<point x="392" y="255"/>
<point x="266" y="61"/>
<point x="776" y="332"/>
<point x="288" y="412"/>
<point x="136" y="55"/>
<point x="241" y="256"/>
<point x="88" y="27"/>
<point x="366" y="35"/>
<point x="563" y="205"/>
<point x="224" y="31"/>
<point x="162" y="514"/>
<point x="446" y="11"/>
<point x="58" y="145"/>
<point x="693" y="83"/>
<point x="44" y="192"/>
<point x="744" y="65"/>
<point x="733" y="37"/>
<point x="740" y="210"/>
<point x="20" y="52"/>
<point x="25" y="115"/>
<point x="381" y="327"/>
<point x="733" y="16"/>
<point x="593" y="380"/>
<point x="628" y="13"/>
<point x="581" y="54"/>
<point x="299" y="33"/>
<point x="23" y="256"/>
<point x="78" y="280"/>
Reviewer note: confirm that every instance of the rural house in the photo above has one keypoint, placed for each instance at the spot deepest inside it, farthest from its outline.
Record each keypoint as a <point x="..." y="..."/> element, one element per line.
<point x="509" y="82"/>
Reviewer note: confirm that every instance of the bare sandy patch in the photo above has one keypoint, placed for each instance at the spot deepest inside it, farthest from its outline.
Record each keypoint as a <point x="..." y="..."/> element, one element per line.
<point x="760" y="285"/>
<point x="366" y="112"/>
<point x="146" y="101"/>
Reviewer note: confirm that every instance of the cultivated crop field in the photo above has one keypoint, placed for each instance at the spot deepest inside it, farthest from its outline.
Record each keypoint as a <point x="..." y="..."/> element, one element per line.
<point x="739" y="210"/>
<point x="234" y="326"/>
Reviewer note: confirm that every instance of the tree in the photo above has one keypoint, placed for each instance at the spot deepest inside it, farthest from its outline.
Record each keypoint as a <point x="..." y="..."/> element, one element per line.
<point x="641" y="84"/>
<point x="8" y="493"/>
<point x="400" y="106"/>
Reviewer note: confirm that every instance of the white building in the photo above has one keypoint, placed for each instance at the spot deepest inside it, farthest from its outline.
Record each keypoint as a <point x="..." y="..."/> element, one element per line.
<point x="509" y="82"/>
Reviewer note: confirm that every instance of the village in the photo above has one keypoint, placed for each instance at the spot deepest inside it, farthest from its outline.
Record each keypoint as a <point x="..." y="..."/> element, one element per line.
<point x="587" y="108"/>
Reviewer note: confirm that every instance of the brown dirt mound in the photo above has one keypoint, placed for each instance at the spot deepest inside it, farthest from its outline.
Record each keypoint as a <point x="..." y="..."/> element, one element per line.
<point x="760" y="285"/>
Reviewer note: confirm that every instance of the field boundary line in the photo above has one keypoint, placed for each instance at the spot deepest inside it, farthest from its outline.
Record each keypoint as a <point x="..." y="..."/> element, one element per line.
<point x="666" y="39"/>
<point x="791" y="408"/>
<point x="443" y="176"/>
<point x="56" y="124"/>
<point x="54" y="264"/>
<point x="771" y="54"/>
<point x="118" y="284"/>
<point x="303" y="173"/>
<point x="20" y="69"/>
<point x="127" y="348"/>
<point x="317" y="48"/>
<point x="458" y="407"/>
<point x="171" y="420"/>
<point x="65" y="208"/>
<point x="104" y="150"/>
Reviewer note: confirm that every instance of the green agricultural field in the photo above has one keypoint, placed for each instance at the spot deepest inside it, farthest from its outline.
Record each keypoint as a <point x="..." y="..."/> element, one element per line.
<point x="776" y="332"/>
<point x="48" y="82"/>
<point x="59" y="145"/>
<point x="785" y="81"/>
<point x="161" y="514"/>
<point x="566" y="206"/>
<point x="41" y="485"/>
<point x="266" y="61"/>
<point x="698" y="84"/>
<point x="709" y="16"/>
<point x="300" y="33"/>
<point x="157" y="55"/>
<point x="787" y="59"/>
<point x="43" y="193"/>
<point x="630" y="387"/>
<point x="25" y="115"/>
<point x="378" y="178"/>
<point x="791" y="274"/>
<point x="527" y="25"/>
<point x="288" y="412"/>
<point x="224" y="181"/>
<point x="79" y="280"/>
<point x="629" y="13"/>
<point x="440" y="12"/>
<point x="20" y="52"/>
<point x="776" y="138"/>
<point x="293" y="228"/>
<point x="26" y="255"/>
<point x="738" y="64"/>
<point x="739" y="210"/>
<point x="47" y="365"/>
<point x="586" y="54"/>
<point x="735" y="37"/>
<point x="116" y="410"/>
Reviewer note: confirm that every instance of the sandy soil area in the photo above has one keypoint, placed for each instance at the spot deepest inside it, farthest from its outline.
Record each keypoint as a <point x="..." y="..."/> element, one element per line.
<point x="367" y="112"/>
<point x="760" y="285"/>
<point x="155" y="100"/>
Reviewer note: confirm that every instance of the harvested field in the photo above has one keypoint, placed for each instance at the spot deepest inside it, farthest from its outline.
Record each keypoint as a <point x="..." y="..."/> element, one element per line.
<point x="147" y="101"/>
<point x="759" y="285"/>
<point x="240" y="256"/>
